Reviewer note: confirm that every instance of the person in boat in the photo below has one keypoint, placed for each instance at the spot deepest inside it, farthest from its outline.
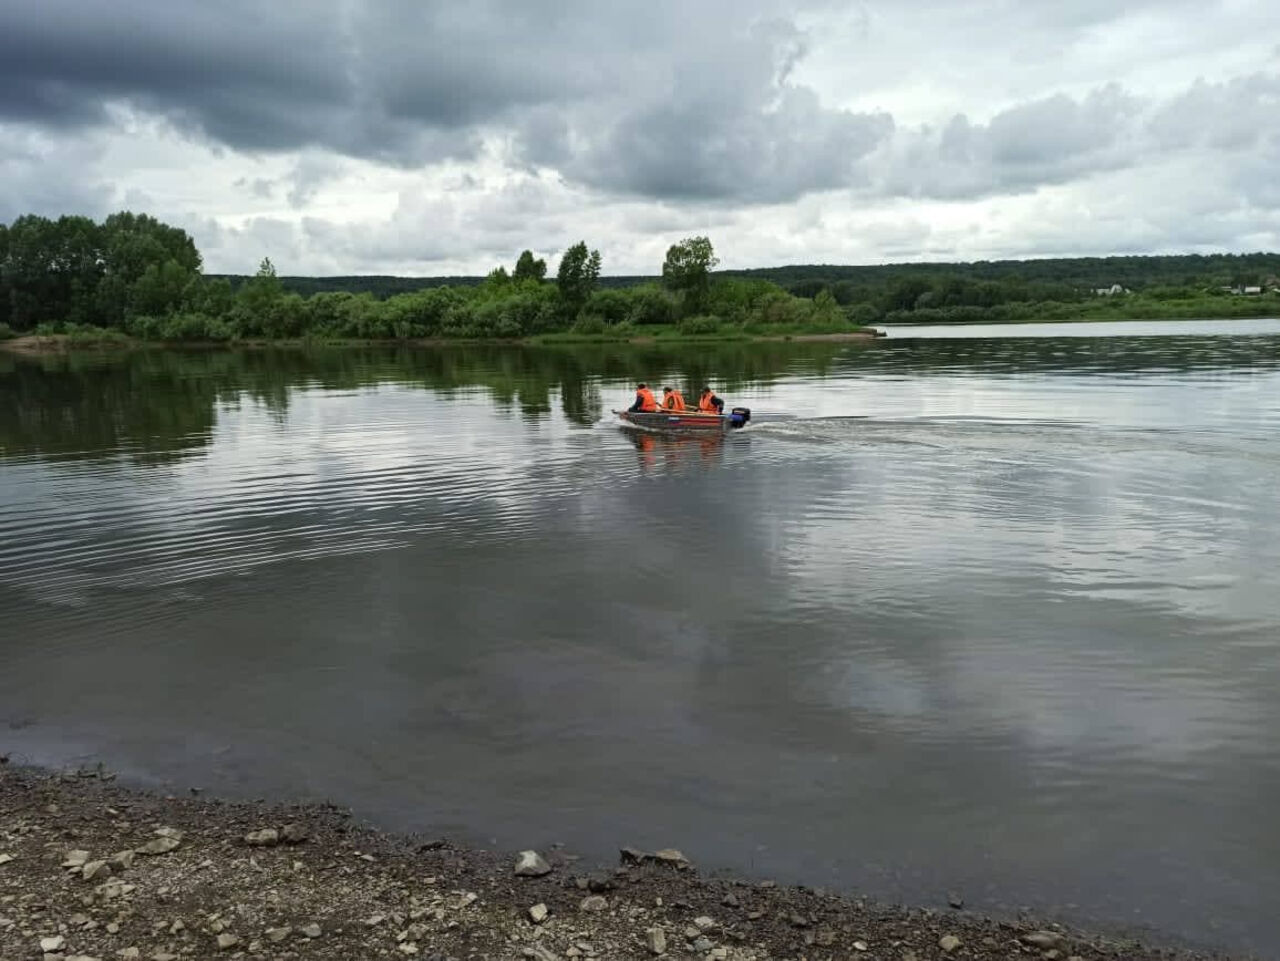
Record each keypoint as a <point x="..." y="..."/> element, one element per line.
<point x="645" y="402"/>
<point x="672" y="399"/>
<point x="709" y="403"/>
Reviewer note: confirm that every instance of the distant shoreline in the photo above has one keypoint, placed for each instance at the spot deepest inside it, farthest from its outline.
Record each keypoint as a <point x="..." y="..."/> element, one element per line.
<point x="36" y="344"/>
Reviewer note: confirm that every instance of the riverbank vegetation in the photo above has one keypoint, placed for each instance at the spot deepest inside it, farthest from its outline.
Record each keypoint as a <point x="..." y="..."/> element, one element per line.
<point x="132" y="277"/>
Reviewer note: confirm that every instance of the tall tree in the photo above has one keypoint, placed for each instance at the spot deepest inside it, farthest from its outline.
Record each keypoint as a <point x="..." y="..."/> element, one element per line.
<point x="579" y="271"/>
<point x="527" y="268"/>
<point x="687" y="271"/>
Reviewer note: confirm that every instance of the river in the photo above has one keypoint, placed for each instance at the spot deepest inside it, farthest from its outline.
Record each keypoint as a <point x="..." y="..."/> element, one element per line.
<point x="993" y="612"/>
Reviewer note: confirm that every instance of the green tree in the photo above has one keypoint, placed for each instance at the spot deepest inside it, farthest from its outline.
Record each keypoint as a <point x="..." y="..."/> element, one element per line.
<point x="527" y="268"/>
<point x="687" y="271"/>
<point x="160" y="290"/>
<point x="576" y="279"/>
<point x="257" y="299"/>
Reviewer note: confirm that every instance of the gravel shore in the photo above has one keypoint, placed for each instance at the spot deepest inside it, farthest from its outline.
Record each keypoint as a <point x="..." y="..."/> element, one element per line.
<point x="93" y="870"/>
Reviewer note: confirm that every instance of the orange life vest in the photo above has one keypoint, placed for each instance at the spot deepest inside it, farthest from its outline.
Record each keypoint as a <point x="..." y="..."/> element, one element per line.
<point x="706" y="404"/>
<point x="675" y="401"/>
<point x="646" y="399"/>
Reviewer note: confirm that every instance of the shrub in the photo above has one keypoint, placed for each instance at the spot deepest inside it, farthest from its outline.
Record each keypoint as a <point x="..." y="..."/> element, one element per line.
<point x="699" y="325"/>
<point x="7" y="332"/>
<point x="862" y="314"/>
<point x="589" y="324"/>
<point x="650" y="306"/>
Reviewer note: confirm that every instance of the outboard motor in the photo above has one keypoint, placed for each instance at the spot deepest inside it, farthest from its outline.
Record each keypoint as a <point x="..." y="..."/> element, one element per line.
<point x="739" y="416"/>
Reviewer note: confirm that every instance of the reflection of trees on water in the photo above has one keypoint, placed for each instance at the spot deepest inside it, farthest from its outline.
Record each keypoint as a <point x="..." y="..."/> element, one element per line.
<point x="155" y="405"/>
<point x="1075" y="354"/>
<point x="158" y="405"/>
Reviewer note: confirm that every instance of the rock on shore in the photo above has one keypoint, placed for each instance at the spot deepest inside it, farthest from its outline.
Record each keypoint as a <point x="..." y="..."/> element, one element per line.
<point x="89" y="869"/>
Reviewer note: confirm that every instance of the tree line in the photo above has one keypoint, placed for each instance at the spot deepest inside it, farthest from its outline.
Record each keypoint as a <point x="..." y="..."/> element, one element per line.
<point x="133" y="276"/>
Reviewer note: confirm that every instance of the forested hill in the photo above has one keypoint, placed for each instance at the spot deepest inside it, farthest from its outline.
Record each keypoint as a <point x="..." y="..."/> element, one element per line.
<point x="1183" y="270"/>
<point x="1135" y="273"/>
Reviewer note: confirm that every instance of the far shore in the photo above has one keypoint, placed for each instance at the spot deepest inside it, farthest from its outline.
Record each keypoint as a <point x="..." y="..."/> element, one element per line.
<point x="93" y="869"/>
<point x="63" y="343"/>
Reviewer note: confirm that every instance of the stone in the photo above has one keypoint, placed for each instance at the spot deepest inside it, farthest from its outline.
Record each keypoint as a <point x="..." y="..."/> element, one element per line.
<point x="122" y="860"/>
<point x="5" y="858"/>
<point x="703" y="944"/>
<point x="265" y="838"/>
<point x="730" y="900"/>
<point x="594" y="904"/>
<point x="538" y="913"/>
<point x="955" y="901"/>
<point x="530" y="864"/>
<point x="798" y="921"/>
<point x="96" y="871"/>
<point x="129" y="954"/>
<point x="374" y="920"/>
<point x="311" y="930"/>
<point x="75" y="859"/>
<point x="227" y="940"/>
<point x="278" y="934"/>
<point x="656" y="939"/>
<point x="1043" y="939"/>
<point x="718" y="954"/>
<point x="538" y="952"/>
<point x="948" y="943"/>
<point x="704" y="923"/>
<point x="173" y="833"/>
<point x="161" y="845"/>
<point x="54" y="943"/>
<point x="631" y="855"/>
<point x="294" y="834"/>
<point x="860" y="946"/>
<point x="672" y="858"/>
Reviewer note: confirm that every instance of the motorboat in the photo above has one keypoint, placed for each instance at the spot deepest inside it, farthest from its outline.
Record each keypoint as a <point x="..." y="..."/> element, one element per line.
<point x="686" y="420"/>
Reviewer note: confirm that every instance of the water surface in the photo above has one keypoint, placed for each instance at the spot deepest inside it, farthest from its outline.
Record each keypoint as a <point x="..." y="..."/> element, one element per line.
<point x="997" y="615"/>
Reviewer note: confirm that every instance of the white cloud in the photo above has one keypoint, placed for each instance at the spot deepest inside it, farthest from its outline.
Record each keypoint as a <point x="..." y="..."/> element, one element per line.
<point x="436" y="140"/>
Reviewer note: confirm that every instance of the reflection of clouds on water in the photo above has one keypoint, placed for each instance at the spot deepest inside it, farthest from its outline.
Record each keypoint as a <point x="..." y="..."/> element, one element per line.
<point x="938" y="641"/>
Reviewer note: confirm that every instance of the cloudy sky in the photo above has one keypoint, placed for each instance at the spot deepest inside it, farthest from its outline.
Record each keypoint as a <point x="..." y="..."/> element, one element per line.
<point x="426" y="137"/>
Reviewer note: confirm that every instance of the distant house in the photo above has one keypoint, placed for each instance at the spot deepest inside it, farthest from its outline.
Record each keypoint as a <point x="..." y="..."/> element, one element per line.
<point x="1251" y="291"/>
<point x="1109" y="291"/>
<point x="1243" y="291"/>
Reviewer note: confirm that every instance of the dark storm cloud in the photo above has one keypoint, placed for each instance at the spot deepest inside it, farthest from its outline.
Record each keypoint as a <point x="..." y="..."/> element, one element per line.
<point x="660" y="99"/>
<point x="652" y="99"/>
<point x="250" y="76"/>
